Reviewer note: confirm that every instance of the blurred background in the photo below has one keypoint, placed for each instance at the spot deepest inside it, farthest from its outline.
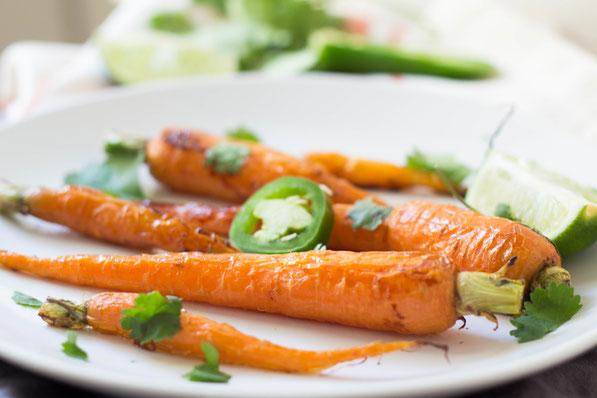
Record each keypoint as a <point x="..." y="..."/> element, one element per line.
<point x="540" y="55"/>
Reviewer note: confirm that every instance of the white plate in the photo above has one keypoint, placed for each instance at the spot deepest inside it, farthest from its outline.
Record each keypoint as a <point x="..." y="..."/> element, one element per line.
<point x="367" y="117"/>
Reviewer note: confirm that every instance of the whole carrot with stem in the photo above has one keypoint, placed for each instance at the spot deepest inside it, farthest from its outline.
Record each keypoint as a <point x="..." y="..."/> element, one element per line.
<point x="103" y="313"/>
<point x="472" y="241"/>
<point x="205" y="164"/>
<point x="95" y="214"/>
<point x="409" y="293"/>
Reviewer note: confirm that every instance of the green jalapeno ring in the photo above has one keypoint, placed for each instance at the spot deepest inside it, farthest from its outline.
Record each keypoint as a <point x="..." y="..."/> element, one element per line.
<point x="317" y="232"/>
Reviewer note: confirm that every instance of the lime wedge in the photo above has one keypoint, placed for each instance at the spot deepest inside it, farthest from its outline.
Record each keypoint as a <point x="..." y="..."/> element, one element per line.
<point x="155" y="56"/>
<point x="559" y="208"/>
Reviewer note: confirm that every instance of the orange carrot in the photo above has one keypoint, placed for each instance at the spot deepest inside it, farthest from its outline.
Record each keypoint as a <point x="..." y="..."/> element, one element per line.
<point x="472" y="241"/>
<point x="177" y="159"/>
<point x="104" y="217"/>
<point x="410" y="293"/>
<point x="376" y="174"/>
<point x="104" y="311"/>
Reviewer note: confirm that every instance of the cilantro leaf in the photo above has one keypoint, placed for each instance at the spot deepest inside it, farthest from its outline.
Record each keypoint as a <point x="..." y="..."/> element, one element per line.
<point x="504" y="210"/>
<point x="172" y="22"/>
<point x="118" y="175"/>
<point x="226" y="157"/>
<point x="368" y="215"/>
<point x="70" y="347"/>
<point x="547" y="310"/>
<point x="454" y="171"/>
<point x="243" y="134"/>
<point x="25" y="300"/>
<point x="210" y="370"/>
<point x="153" y="318"/>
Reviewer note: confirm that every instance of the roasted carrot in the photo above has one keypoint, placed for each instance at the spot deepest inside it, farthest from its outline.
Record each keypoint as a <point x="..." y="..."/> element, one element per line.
<point x="104" y="217"/>
<point x="410" y="293"/>
<point x="472" y="241"/>
<point x="103" y="313"/>
<point x="211" y="218"/>
<point x="177" y="158"/>
<point x="376" y="174"/>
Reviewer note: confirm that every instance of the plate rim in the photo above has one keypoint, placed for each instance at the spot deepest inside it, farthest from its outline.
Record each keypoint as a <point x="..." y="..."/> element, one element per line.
<point x="443" y="383"/>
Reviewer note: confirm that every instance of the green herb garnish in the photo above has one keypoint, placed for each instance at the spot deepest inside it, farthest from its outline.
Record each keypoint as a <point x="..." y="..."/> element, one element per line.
<point x="118" y="175"/>
<point x="504" y="210"/>
<point x="210" y="370"/>
<point x="547" y="310"/>
<point x="70" y="347"/>
<point x="218" y="5"/>
<point x="172" y="22"/>
<point x="226" y="158"/>
<point x="368" y="215"/>
<point x="25" y="300"/>
<point x="454" y="171"/>
<point x="243" y="134"/>
<point x="153" y="318"/>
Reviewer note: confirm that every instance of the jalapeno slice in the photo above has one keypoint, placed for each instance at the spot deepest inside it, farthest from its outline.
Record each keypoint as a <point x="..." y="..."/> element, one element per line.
<point x="290" y="214"/>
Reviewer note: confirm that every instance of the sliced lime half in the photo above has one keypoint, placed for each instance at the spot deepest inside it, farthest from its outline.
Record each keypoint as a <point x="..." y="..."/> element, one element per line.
<point x="152" y="56"/>
<point x="556" y="206"/>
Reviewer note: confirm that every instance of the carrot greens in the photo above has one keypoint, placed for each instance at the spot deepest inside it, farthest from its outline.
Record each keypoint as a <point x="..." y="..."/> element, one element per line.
<point x="154" y="317"/>
<point x="548" y="309"/>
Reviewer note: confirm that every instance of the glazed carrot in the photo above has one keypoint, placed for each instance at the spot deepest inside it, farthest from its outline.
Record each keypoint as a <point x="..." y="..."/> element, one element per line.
<point x="410" y="293"/>
<point x="472" y="241"/>
<point x="177" y="159"/>
<point x="210" y="218"/>
<point x="104" y="311"/>
<point x="376" y="174"/>
<point x="104" y="217"/>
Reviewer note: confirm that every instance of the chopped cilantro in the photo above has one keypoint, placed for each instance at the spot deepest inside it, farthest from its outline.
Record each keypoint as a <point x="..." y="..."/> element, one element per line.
<point x="210" y="370"/>
<point x="243" y="134"/>
<point x="547" y="310"/>
<point x="70" y="347"/>
<point x="153" y="318"/>
<point x="226" y="157"/>
<point x="25" y="300"/>
<point x="454" y="171"/>
<point x="172" y="22"/>
<point x="368" y="215"/>
<point x="118" y="175"/>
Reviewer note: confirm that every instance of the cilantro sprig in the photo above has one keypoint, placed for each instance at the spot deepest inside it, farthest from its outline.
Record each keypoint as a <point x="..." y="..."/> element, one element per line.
<point x="226" y="157"/>
<point x="25" y="300"/>
<point x="153" y="318"/>
<point x="243" y="134"/>
<point x="547" y="310"/>
<point x="455" y="172"/>
<point x="368" y="215"/>
<point x="118" y="174"/>
<point x="70" y="347"/>
<point x="210" y="370"/>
